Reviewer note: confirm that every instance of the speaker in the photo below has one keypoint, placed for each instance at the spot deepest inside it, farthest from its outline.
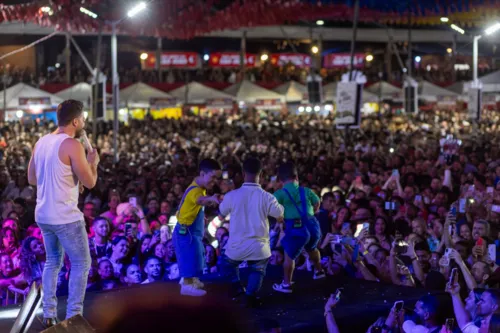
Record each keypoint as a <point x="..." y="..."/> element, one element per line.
<point x="76" y="324"/>
<point x="314" y="91"/>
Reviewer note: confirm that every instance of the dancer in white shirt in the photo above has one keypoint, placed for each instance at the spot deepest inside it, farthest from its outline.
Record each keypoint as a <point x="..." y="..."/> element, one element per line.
<point x="249" y="207"/>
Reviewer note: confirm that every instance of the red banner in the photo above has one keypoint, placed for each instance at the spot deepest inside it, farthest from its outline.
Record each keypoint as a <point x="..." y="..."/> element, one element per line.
<point x="173" y="59"/>
<point x="296" y="59"/>
<point x="231" y="59"/>
<point x="34" y="100"/>
<point x="336" y="60"/>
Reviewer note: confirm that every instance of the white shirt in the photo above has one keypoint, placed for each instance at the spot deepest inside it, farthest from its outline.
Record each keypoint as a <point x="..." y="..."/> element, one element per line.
<point x="249" y="207"/>
<point x="470" y="328"/>
<point x="410" y="327"/>
<point x="57" y="194"/>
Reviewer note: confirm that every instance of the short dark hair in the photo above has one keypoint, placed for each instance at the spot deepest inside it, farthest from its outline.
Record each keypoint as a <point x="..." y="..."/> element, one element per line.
<point x="209" y="164"/>
<point x="287" y="171"/>
<point x="430" y="304"/>
<point x="68" y="110"/>
<point x="151" y="258"/>
<point x="328" y="195"/>
<point x="252" y="166"/>
<point x="495" y="295"/>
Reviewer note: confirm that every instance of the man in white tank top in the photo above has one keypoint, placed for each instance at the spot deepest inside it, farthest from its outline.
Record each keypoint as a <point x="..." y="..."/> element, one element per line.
<point x="57" y="166"/>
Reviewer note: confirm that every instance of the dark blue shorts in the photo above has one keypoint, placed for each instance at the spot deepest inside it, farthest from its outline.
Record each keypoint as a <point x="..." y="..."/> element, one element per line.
<point x="296" y="239"/>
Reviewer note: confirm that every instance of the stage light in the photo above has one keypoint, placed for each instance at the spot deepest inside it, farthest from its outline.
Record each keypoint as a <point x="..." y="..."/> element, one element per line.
<point x="457" y="29"/>
<point x="329" y="107"/>
<point x="19" y="114"/>
<point x="58" y="65"/>
<point x="206" y="57"/>
<point x="418" y="59"/>
<point x="123" y="111"/>
<point x="264" y="57"/>
<point x="317" y="108"/>
<point x="309" y="109"/>
<point x="137" y="9"/>
<point x="301" y="109"/>
<point x="449" y="50"/>
<point x="369" y="58"/>
<point x="47" y="10"/>
<point x="391" y="150"/>
<point x="88" y="12"/>
<point x="405" y="70"/>
<point x="444" y="19"/>
<point x="241" y="104"/>
<point x="320" y="22"/>
<point x="314" y="49"/>
<point x="494" y="28"/>
<point x="144" y="56"/>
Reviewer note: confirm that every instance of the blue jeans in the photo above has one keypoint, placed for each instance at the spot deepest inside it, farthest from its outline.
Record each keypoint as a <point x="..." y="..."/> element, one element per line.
<point x="70" y="238"/>
<point x="257" y="272"/>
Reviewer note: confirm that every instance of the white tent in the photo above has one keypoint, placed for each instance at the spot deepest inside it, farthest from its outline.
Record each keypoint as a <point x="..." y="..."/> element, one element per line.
<point x="433" y="93"/>
<point x="249" y="92"/>
<point x="293" y="91"/>
<point x="491" y="82"/>
<point x="386" y="90"/>
<point x="81" y="92"/>
<point x="198" y="93"/>
<point x="330" y="94"/>
<point x="139" y="95"/>
<point x="25" y="97"/>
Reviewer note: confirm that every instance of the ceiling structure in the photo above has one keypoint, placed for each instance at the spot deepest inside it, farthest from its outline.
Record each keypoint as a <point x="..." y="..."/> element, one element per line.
<point x="186" y="19"/>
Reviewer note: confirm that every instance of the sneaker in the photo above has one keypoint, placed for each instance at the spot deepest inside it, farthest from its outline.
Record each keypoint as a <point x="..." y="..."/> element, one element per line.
<point x="282" y="288"/>
<point x="319" y="275"/>
<point x="191" y="290"/>
<point x="198" y="284"/>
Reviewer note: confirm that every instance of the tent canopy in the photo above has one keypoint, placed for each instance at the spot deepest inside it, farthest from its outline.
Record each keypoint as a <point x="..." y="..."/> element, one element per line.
<point x="387" y="90"/>
<point x="330" y="94"/>
<point x="431" y="92"/>
<point x="139" y="94"/>
<point x="24" y="97"/>
<point x="293" y="91"/>
<point x="198" y="93"/>
<point x="249" y="92"/>
<point x="81" y="92"/>
<point x="491" y="82"/>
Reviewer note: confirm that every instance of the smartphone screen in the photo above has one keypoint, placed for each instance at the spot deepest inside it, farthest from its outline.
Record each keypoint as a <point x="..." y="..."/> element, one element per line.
<point x="274" y="178"/>
<point x="418" y="198"/>
<point x="338" y="293"/>
<point x="225" y="175"/>
<point x="489" y="189"/>
<point x="133" y="201"/>
<point x="453" y="276"/>
<point x="359" y="228"/>
<point x="492" y="252"/>
<point x="495" y="209"/>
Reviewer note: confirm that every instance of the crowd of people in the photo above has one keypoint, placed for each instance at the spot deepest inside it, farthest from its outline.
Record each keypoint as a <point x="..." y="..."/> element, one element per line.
<point x="406" y="200"/>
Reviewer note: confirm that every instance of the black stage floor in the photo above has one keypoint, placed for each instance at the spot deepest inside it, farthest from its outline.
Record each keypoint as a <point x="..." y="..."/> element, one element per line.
<point x="361" y="304"/>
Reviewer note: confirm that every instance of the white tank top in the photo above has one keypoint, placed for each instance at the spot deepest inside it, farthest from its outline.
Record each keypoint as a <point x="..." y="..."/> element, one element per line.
<point x="57" y="185"/>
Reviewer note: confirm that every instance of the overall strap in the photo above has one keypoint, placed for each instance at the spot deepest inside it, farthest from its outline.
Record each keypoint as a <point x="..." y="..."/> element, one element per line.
<point x="184" y="197"/>
<point x="302" y="193"/>
<point x="294" y="203"/>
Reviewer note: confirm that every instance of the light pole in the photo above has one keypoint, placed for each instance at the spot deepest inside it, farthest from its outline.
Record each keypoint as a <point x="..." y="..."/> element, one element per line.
<point x="475" y="52"/>
<point x="114" y="73"/>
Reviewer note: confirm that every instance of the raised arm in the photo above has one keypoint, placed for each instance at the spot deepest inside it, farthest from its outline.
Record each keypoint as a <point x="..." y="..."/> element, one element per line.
<point x="85" y="168"/>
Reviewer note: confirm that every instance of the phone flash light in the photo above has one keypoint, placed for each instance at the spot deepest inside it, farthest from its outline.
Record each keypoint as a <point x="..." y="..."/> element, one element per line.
<point x="391" y="150"/>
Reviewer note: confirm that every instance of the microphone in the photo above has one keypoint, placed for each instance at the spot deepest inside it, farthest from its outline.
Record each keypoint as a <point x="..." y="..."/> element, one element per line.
<point x="86" y="141"/>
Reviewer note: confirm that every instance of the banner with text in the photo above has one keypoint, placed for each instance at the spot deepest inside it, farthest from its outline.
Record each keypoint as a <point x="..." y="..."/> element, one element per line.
<point x="34" y="100"/>
<point x="338" y="60"/>
<point x="163" y="102"/>
<point x="231" y="59"/>
<point x="268" y="104"/>
<point x="348" y="104"/>
<point x="296" y="59"/>
<point x="172" y="60"/>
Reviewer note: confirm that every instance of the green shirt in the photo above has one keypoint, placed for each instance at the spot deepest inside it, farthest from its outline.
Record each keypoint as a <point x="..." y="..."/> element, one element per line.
<point x="291" y="212"/>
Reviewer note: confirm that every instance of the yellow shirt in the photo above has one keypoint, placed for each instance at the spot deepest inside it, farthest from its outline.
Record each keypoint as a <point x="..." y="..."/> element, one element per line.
<point x="189" y="209"/>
